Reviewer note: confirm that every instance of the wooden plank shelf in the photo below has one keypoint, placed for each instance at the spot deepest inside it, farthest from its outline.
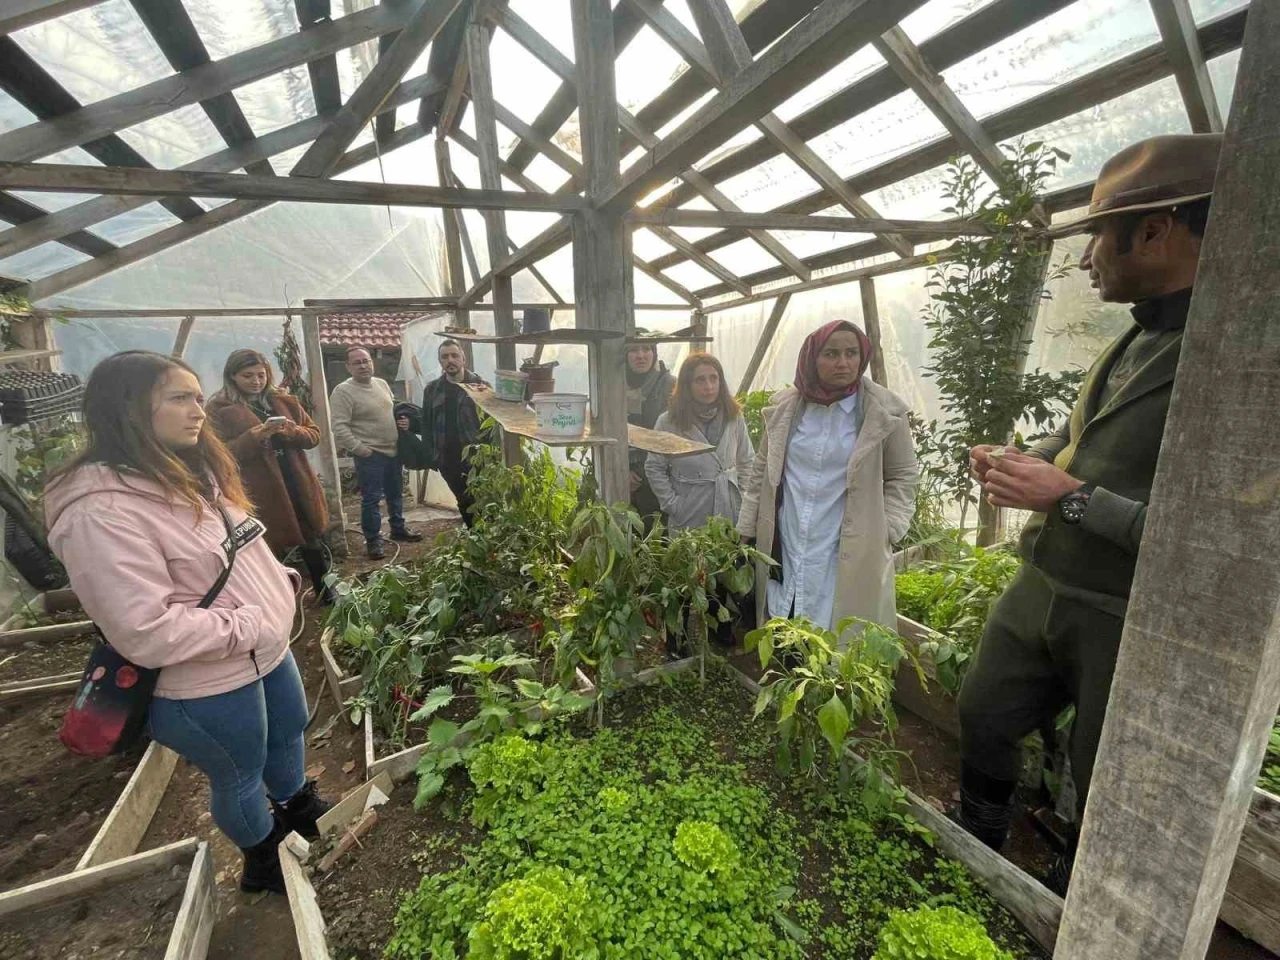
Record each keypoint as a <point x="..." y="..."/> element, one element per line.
<point x="518" y="418"/>
<point x="544" y="338"/>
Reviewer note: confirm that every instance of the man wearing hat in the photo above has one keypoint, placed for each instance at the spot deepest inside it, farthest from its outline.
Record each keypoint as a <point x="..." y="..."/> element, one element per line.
<point x="1053" y="636"/>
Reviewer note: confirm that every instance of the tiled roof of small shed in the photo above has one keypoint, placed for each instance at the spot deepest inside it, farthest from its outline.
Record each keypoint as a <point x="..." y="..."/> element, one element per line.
<point x="365" y="330"/>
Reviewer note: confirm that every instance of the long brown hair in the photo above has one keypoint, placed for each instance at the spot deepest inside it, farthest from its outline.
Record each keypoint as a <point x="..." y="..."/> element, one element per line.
<point x="682" y="404"/>
<point x="118" y="415"/>
<point x="237" y="361"/>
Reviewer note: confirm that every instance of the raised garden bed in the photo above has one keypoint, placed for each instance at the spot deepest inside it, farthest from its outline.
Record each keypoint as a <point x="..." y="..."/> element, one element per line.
<point x="1252" y="901"/>
<point x="157" y="905"/>
<point x="680" y="751"/>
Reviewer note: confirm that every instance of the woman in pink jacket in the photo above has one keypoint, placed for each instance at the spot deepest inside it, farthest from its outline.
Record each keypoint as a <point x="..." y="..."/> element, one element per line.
<point x="133" y="518"/>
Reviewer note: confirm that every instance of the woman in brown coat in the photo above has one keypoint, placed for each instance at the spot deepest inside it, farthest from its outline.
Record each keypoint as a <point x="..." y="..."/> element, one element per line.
<point x="267" y="431"/>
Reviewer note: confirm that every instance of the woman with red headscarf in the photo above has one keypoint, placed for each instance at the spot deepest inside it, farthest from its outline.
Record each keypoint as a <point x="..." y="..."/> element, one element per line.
<point x="832" y="488"/>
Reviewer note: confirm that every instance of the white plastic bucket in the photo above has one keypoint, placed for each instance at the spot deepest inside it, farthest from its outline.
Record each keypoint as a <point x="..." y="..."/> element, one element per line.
<point x="509" y="385"/>
<point x="561" y="414"/>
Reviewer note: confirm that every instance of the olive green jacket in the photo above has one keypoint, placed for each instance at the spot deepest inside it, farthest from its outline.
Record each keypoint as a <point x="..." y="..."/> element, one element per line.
<point x="1115" y="449"/>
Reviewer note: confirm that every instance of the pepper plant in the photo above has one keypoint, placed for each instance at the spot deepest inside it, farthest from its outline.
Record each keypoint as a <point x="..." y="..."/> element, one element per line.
<point x="822" y="686"/>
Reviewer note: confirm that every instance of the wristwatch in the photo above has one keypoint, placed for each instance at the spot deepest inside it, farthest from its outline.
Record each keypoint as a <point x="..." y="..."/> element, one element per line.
<point x="1072" y="507"/>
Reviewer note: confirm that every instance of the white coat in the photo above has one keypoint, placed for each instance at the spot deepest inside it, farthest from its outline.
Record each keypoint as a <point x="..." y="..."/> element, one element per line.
<point x="880" y="501"/>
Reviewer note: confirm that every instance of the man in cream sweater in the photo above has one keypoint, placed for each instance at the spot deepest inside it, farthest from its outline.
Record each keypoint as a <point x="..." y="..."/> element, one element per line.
<point x="361" y="411"/>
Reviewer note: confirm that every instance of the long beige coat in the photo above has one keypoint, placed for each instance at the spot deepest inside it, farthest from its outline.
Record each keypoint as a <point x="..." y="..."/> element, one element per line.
<point x="880" y="501"/>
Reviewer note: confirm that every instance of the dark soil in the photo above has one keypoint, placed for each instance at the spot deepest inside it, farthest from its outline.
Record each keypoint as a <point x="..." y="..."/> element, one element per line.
<point x="132" y="920"/>
<point x="32" y="660"/>
<point x="51" y="801"/>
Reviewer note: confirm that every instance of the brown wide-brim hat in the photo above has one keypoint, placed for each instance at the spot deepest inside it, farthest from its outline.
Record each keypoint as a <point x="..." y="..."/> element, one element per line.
<point x="1154" y="174"/>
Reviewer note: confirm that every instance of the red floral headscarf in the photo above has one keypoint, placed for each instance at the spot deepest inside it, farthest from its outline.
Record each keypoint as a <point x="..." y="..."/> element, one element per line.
<point x="807" y="383"/>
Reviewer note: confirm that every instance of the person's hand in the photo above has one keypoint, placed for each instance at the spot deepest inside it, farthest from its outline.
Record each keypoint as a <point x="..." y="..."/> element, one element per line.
<point x="265" y="431"/>
<point x="637" y="482"/>
<point x="403" y="424"/>
<point x="1026" y="483"/>
<point x="980" y="458"/>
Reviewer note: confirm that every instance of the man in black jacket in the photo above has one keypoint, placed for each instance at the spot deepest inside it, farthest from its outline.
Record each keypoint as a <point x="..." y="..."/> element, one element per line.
<point x="450" y="424"/>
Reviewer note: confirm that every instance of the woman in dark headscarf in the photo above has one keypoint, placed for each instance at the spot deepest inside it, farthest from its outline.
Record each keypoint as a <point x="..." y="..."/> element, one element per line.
<point x="649" y="386"/>
<point x="832" y="488"/>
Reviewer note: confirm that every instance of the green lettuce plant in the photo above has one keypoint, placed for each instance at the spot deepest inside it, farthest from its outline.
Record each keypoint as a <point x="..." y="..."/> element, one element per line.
<point x="545" y="915"/>
<point x="942" y="933"/>
<point x="703" y="846"/>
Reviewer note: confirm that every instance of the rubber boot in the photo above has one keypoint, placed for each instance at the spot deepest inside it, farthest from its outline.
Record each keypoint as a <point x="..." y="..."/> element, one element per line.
<point x="313" y="559"/>
<point x="986" y="806"/>
<point x="262" y="862"/>
<point x="301" y="811"/>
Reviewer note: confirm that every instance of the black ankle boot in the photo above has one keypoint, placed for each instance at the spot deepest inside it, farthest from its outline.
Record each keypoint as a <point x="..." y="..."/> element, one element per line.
<point x="301" y="811"/>
<point x="1058" y="878"/>
<point x="262" y="862"/>
<point x="314" y="559"/>
<point x="986" y="806"/>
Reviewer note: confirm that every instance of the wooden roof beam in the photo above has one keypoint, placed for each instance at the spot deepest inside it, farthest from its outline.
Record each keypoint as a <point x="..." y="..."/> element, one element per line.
<point x="715" y="219"/>
<point x="19" y="14"/>
<point x="827" y="36"/>
<point x="36" y="89"/>
<point x="76" y="178"/>
<point x="546" y="52"/>
<point x="1138" y="69"/>
<point x="158" y="242"/>
<point x="1182" y="45"/>
<point x="112" y="114"/>
<point x="323" y="155"/>
<point x="540" y="247"/>
<point x="326" y="91"/>
<point x="18" y="211"/>
<point x="170" y="26"/>
<point x="571" y="165"/>
<point x="715" y="21"/>
<point x="61" y="223"/>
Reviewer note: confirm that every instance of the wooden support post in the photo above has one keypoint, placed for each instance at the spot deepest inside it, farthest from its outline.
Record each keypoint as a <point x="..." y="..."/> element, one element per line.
<point x="327" y="451"/>
<point x="184" y="337"/>
<point x="871" y="321"/>
<point x="762" y="344"/>
<point x="602" y="273"/>
<point x="504" y="321"/>
<point x="457" y="278"/>
<point x="1198" y="675"/>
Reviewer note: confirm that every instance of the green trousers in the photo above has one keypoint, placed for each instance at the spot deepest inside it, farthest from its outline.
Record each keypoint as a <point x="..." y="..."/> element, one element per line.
<point x="1039" y="653"/>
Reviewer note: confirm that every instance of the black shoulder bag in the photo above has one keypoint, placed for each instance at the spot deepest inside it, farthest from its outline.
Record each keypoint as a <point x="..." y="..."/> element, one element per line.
<point x="109" y="712"/>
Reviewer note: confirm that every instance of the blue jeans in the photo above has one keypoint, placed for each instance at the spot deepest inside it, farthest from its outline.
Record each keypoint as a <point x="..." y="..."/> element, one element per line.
<point x="243" y="740"/>
<point x="379" y="476"/>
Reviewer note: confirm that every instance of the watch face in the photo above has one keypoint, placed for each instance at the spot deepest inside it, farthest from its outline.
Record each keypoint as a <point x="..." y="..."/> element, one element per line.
<point x="1073" y="507"/>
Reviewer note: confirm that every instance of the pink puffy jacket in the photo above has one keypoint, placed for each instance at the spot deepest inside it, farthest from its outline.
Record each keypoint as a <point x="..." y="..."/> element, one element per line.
<point x="140" y="563"/>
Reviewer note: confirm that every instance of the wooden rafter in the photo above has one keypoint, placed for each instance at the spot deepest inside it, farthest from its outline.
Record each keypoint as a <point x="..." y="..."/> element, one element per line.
<point x="16" y="210"/>
<point x="991" y="23"/>
<point x="546" y="52"/>
<point x="1136" y="70"/>
<point x="73" y="178"/>
<point x="162" y="240"/>
<point x="61" y="223"/>
<point x="170" y="26"/>
<point x="723" y="57"/>
<point x="19" y="14"/>
<point x="36" y="89"/>
<point x="327" y="151"/>
<point x="325" y="88"/>
<point x="918" y="229"/>
<point x="763" y="342"/>
<point x="1182" y="44"/>
<point x="827" y="36"/>
<point x="521" y="180"/>
<point x="540" y="247"/>
<point x="112" y="114"/>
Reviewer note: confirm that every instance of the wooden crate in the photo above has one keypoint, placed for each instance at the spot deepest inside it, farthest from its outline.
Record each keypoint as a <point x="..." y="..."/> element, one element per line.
<point x="189" y="937"/>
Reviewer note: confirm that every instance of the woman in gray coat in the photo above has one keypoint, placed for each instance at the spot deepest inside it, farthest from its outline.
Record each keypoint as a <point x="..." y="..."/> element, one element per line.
<point x="693" y="489"/>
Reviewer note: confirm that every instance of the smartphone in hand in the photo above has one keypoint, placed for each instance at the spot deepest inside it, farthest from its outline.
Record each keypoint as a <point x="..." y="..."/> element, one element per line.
<point x="276" y="421"/>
